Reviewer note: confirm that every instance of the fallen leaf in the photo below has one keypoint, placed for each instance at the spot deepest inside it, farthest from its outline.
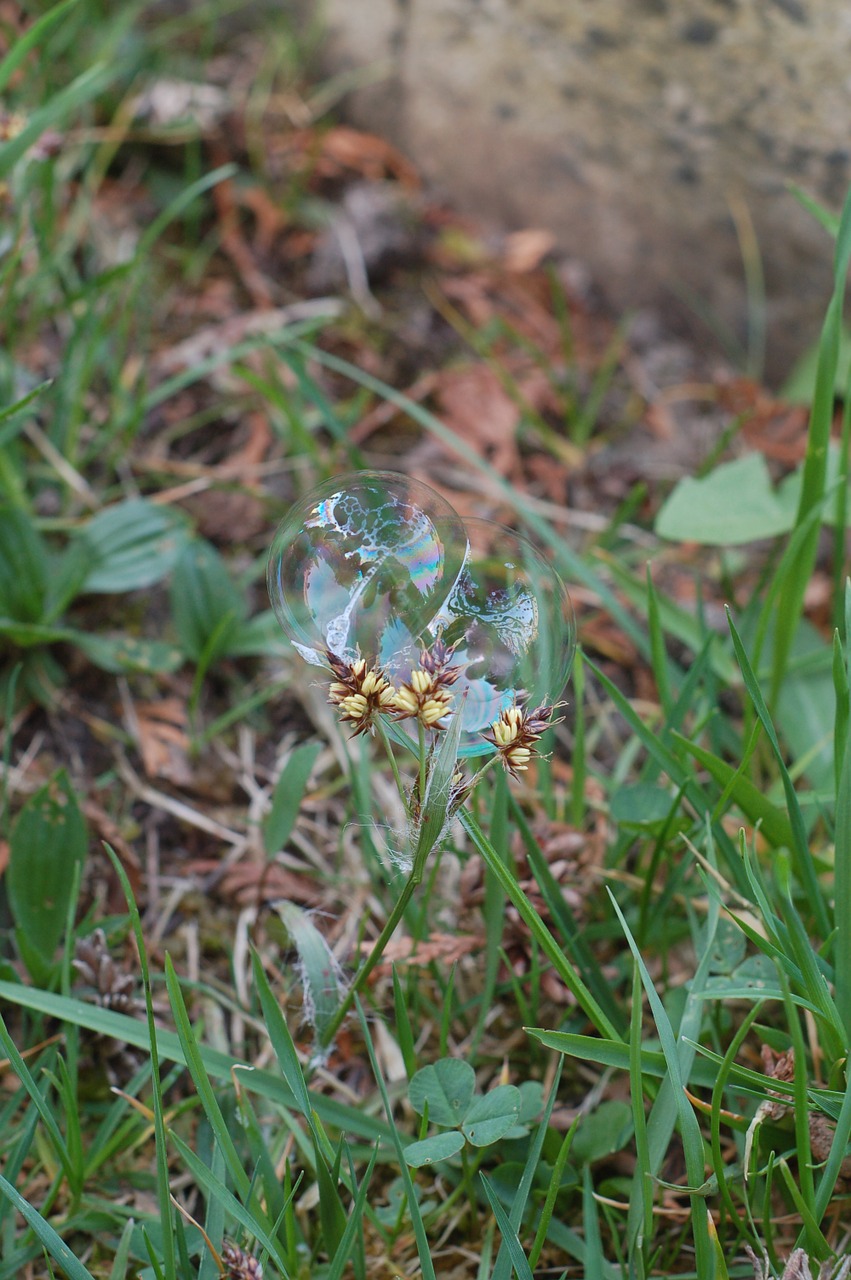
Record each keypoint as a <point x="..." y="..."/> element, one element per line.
<point x="526" y="250"/>
<point x="163" y="742"/>
<point x="474" y="404"/>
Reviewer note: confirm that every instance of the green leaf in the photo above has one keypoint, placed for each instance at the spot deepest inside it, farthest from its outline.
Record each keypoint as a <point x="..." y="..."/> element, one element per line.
<point x="134" y="544"/>
<point x="604" y="1131"/>
<point x="732" y="505"/>
<point x="800" y="386"/>
<point x="28" y="635"/>
<point x="447" y="1087"/>
<point x="126" y="653"/>
<point x="31" y="39"/>
<point x="44" y="1232"/>
<point x="323" y="986"/>
<point x="58" y="107"/>
<point x="774" y="823"/>
<point x="492" y="1115"/>
<point x="205" y="604"/>
<point x="23" y="567"/>
<point x="288" y="795"/>
<point x="641" y="806"/>
<point x="439" y="1147"/>
<point x="46" y="852"/>
<point x="519" y="1261"/>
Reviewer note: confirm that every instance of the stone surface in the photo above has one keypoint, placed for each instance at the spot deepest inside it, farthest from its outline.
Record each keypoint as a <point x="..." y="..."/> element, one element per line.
<point x="642" y="132"/>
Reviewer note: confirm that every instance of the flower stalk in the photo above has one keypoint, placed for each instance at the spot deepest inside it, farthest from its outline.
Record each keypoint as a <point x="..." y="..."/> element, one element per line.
<point x="367" y="700"/>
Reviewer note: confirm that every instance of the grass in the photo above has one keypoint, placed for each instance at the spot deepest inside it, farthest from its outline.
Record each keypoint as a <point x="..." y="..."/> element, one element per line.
<point x="600" y="1027"/>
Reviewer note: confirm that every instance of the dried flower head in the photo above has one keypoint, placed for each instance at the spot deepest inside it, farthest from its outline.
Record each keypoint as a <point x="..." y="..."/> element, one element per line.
<point x="359" y="691"/>
<point x="425" y="695"/>
<point x="103" y="983"/>
<point x="515" y="732"/>
<point x="240" y="1265"/>
<point x="110" y="987"/>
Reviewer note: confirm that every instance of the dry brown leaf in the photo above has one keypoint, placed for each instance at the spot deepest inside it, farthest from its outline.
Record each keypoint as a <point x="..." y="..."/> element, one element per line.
<point x="368" y="154"/>
<point x="526" y="250"/>
<point x="474" y="404"/>
<point x="163" y="742"/>
<point x="447" y="947"/>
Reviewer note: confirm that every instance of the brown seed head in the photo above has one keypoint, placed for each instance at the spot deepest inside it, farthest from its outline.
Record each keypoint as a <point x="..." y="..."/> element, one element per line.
<point x="360" y="692"/>
<point x="240" y="1265"/>
<point x="515" y="732"/>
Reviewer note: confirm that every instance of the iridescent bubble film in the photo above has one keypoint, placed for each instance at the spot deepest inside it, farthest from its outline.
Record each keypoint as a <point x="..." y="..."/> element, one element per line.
<point x="361" y="566"/>
<point x="378" y="566"/>
<point x="512" y="624"/>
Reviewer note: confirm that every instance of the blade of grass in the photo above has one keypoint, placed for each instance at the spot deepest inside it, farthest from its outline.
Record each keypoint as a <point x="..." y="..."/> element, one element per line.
<point x="540" y="932"/>
<point x="519" y="1261"/>
<point x="250" y="1222"/>
<point x="423" y="1246"/>
<point x="660" y="1124"/>
<point x="502" y="1269"/>
<point x="804" y="867"/>
<point x="201" y="1081"/>
<point x="799" y="573"/>
<point x="48" y="1237"/>
<point x="161" y="1145"/>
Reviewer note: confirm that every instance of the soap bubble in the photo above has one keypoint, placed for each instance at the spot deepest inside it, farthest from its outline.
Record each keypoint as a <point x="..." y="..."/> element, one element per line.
<point x="511" y="621"/>
<point x="362" y="565"/>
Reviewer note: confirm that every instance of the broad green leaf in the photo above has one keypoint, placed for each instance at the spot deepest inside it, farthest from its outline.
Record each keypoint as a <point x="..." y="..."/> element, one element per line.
<point x="447" y="1086"/>
<point x="259" y="637"/>
<point x="641" y="806"/>
<point x="126" y="653"/>
<point x="205" y="603"/>
<point x="134" y="544"/>
<point x="46" y="851"/>
<point x="605" y="1130"/>
<point x="288" y="795"/>
<point x="23" y="567"/>
<point x="734" y="504"/>
<point x="439" y="1147"/>
<point x="490" y="1116"/>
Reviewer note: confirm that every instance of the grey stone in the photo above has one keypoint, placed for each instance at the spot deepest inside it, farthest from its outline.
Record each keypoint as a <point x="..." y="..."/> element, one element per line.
<point x="631" y="128"/>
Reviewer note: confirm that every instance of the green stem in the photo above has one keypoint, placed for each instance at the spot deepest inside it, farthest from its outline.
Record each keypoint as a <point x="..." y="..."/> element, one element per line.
<point x="421" y="741"/>
<point x="388" y="749"/>
<point x="373" y="958"/>
<point x="842" y="895"/>
<point x="400" y="906"/>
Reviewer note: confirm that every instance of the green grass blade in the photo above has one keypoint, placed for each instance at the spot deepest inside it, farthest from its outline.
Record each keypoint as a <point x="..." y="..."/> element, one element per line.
<point x="219" y="1065"/>
<point x="353" y="1225"/>
<point x="161" y="1145"/>
<point x="423" y="1246"/>
<point x="660" y="1124"/>
<point x="201" y="1081"/>
<point x="540" y="932"/>
<point x="213" y="1186"/>
<point x="642" y="1183"/>
<point x="798" y="575"/>
<point x="800" y="845"/>
<point x="52" y="1242"/>
<point x="502" y="1270"/>
<point x="519" y="1261"/>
